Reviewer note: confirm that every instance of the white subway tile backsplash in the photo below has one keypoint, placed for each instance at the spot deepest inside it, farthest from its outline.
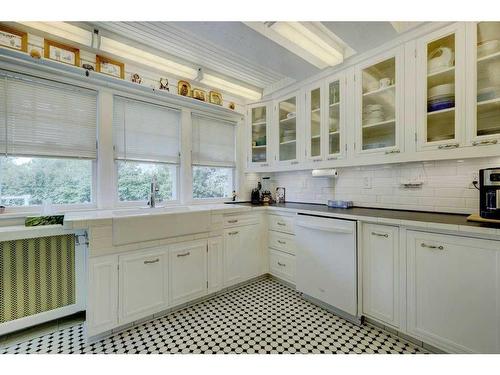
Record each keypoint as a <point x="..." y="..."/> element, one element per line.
<point x="446" y="185"/>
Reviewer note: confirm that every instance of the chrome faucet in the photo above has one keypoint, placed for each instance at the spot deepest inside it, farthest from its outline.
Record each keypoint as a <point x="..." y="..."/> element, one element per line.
<point x="154" y="189"/>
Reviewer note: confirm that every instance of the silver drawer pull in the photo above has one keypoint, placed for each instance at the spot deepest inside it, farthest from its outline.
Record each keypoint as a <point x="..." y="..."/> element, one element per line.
<point x="449" y="145"/>
<point x="281" y="264"/>
<point x="232" y="221"/>
<point x="233" y="233"/>
<point x="183" y="255"/>
<point x="294" y="162"/>
<point x="392" y="152"/>
<point x="282" y="242"/>
<point x="280" y="223"/>
<point x="264" y="165"/>
<point x="440" y="247"/>
<point x="485" y="142"/>
<point x="152" y="261"/>
<point x="380" y="234"/>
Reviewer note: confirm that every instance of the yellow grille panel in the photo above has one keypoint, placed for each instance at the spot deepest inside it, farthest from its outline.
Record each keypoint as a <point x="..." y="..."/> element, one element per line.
<point x="36" y="275"/>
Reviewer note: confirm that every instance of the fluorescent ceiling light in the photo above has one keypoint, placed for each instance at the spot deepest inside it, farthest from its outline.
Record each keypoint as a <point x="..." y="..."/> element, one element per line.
<point x="145" y="58"/>
<point x="233" y="88"/>
<point x="312" y="41"/>
<point x="63" y="30"/>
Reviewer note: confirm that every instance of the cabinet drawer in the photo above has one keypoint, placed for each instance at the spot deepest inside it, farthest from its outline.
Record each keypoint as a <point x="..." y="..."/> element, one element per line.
<point x="281" y="223"/>
<point x="282" y="265"/>
<point x="282" y="241"/>
<point x="237" y="220"/>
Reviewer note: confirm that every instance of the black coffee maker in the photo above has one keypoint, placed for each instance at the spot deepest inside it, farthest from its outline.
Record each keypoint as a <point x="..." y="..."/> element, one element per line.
<point x="489" y="193"/>
<point x="255" y="197"/>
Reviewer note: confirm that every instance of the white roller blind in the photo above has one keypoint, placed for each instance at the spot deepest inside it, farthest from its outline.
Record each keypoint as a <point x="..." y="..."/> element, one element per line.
<point x="44" y="118"/>
<point x="213" y="141"/>
<point x="145" y="132"/>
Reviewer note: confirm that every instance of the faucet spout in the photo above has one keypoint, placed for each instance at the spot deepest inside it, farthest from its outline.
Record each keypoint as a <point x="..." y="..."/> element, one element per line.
<point x="154" y="189"/>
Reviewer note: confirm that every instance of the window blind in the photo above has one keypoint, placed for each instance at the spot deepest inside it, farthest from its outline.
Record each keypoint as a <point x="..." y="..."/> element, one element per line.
<point x="145" y="132"/>
<point x="44" y="118"/>
<point x="213" y="141"/>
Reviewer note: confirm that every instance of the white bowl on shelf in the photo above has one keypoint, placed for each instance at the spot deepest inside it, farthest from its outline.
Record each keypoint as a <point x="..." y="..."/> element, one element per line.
<point x="441" y="90"/>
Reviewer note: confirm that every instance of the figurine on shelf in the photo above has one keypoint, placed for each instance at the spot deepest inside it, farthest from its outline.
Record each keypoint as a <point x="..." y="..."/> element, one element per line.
<point x="87" y="67"/>
<point x="164" y="84"/>
<point x="136" y="78"/>
<point x="184" y="88"/>
<point x="35" y="54"/>
<point x="232" y="105"/>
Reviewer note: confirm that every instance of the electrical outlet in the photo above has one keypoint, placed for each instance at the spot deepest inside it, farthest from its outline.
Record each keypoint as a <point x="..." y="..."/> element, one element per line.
<point x="474" y="177"/>
<point x="367" y="182"/>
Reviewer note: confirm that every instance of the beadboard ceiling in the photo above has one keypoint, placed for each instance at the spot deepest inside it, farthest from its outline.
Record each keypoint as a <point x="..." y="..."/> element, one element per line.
<point x="235" y="51"/>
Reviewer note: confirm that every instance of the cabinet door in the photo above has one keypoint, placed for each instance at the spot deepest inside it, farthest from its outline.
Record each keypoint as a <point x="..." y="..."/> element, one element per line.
<point x="143" y="284"/>
<point x="259" y="134"/>
<point x="188" y="271"/>
<point x="102" y="306"/>
<point x="215" y="248"/>
<point x="314" y="122"/>
<point x="380" y="107"/>
<point x="454" y="291"/>
<point x="288" y="131"/>
<point x="483" y="122"/>
<point x="334" y="129"/>
<point x="440" y="88"/>
<point x="251" y="251"/>
<point x="381" y="273"/>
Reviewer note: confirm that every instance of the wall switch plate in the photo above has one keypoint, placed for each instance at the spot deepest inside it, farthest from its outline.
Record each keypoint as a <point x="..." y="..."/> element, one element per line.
<point x="367" y="182"/>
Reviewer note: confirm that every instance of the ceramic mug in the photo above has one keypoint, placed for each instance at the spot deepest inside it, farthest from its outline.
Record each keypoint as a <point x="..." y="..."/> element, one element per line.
<point x="384" y="82"/>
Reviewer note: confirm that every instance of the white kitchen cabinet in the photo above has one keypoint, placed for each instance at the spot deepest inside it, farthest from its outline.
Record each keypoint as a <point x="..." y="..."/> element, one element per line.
<point x="215" y="265"/>
<point x="287" y="127"/>
<point x="188" y="271"/>
<point x="483" y="83"/>
<point x="379" y="106"/>
<point x="440" y="80"/>
<point x="259" y="117"/>
<point x="282" y="265"/>
<point x="453" y="288"/>
<point x="241" y="254"/>
<point x="143" y="281"/>
<point x="315" y="122"/>
<point x="380" y="254"/>
<point x="102" y="302"/>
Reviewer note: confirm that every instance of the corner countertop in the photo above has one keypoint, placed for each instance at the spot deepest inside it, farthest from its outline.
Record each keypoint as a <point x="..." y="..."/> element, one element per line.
<point x="430" y="220"/>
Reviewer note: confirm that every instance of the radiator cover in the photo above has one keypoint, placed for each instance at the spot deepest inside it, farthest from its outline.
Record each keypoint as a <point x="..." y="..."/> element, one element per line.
<point x="36" y="275"/>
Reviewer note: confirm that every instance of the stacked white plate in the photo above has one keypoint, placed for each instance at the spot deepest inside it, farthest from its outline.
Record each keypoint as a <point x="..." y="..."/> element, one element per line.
<point x="373" y="113"/>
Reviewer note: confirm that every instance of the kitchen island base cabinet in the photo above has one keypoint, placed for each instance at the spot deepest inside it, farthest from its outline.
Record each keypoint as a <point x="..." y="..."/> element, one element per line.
<point x="143" y="284"/>
<point x="188" y="271"/>
<point x="380" y="256"/>
<point x="454" y="292"/>
<point x="241" y="254"/>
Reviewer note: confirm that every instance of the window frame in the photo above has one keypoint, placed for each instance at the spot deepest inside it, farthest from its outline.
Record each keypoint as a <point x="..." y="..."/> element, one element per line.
<point x="213" y="200"/>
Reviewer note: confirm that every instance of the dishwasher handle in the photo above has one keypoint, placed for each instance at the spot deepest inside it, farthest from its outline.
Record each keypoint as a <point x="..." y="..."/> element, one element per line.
<point x="323" y="228"/>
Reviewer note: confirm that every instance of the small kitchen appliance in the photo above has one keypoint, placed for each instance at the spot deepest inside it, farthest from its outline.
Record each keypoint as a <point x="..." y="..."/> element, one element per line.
<point x="255" y="196"/>
<point x="489" y="193"/>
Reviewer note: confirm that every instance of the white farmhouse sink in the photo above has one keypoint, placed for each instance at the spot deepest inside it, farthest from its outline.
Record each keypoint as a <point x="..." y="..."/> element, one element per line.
<point x="148" y="224"/>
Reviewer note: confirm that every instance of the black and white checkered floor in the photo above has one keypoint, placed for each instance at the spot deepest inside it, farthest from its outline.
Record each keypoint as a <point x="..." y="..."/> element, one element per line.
<point x="262" y="317"/>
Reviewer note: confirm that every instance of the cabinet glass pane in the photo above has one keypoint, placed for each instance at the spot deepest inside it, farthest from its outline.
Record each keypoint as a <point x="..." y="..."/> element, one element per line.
<point x="441" y="89"/>
<point x="334" y="118"/>
<point x="379" y="100"/>
<point x="288" y="129"/>
<point x="315" y="122"/>
<point x="488" y="78"/>
<point x="259" y="141"/>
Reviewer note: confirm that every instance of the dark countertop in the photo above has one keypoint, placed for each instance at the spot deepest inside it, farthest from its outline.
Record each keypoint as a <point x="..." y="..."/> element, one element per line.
<point x="430" y="217"/>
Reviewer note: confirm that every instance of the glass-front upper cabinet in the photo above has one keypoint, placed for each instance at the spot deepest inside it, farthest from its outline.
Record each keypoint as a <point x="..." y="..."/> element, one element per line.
<point x="335" y="113"/>
<point x="288" y="130"/>
<point x="314" y="122"/>
<point x="485" y="117"/>
<point x="379" y="104"/>
<point x="440" y="88"/>
<point x="259" y="117"/>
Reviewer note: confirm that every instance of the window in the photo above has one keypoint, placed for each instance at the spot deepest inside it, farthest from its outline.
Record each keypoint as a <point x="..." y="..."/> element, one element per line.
<point x="47" y="141"/>
<point x="146" y="141"/>
<point x="213" y="143"/>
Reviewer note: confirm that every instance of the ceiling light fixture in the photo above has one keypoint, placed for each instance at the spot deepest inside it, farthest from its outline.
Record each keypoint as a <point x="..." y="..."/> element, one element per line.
<point x="145" y="58"/>
<point x="230" y="87"/>
<point x="63" y="30"/>
<point x="310" y="40"/>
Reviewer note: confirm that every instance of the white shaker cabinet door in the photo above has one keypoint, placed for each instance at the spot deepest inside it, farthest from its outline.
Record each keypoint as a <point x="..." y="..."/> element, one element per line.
<point x="188" y="271"/>
<point x="143" y="284"/>
<point x="102" y="307"/>
<point x="453" y="292"/>
<point x="381" y="273"/>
